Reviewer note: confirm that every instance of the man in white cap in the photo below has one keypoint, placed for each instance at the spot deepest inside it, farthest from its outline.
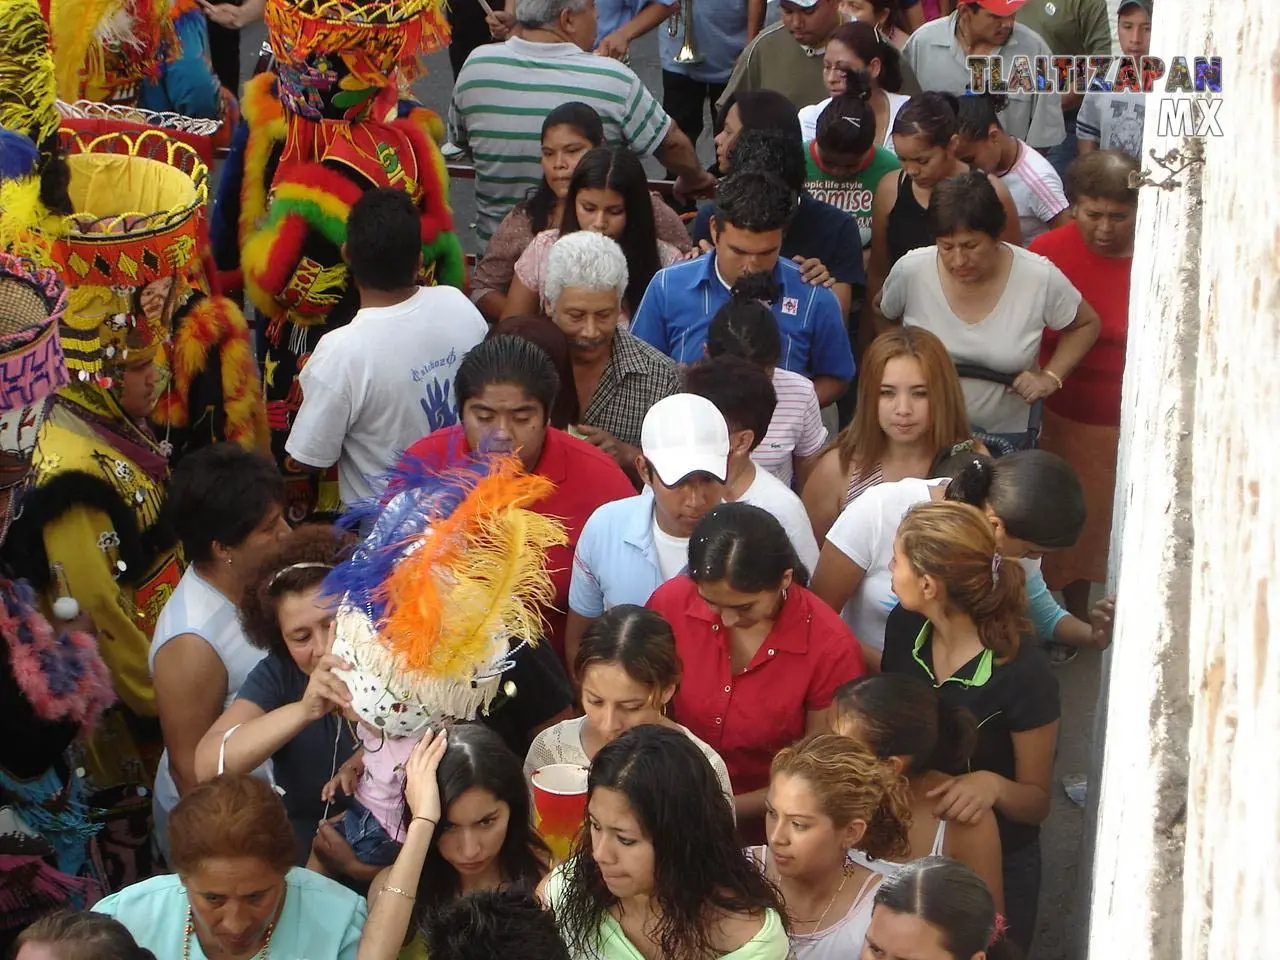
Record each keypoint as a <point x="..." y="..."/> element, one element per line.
<point x="938" y="53"/>
<point x="631" y="547"/>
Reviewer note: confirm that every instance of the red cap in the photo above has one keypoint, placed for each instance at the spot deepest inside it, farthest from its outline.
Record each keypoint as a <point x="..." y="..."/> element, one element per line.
<point x="1001" y="8"/>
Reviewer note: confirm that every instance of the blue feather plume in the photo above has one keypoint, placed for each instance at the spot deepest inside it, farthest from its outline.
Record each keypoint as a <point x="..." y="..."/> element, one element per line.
<point x="18" y="156"/>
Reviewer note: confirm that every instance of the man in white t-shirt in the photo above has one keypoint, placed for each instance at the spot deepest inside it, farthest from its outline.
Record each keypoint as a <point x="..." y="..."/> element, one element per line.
<point x="377" y="385"/>
<point x="744" y="394"/>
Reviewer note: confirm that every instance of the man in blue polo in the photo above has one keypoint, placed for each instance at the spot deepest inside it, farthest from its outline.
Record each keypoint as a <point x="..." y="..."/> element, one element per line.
<point x="752" y="211"/>
<point x="631" y="547"/>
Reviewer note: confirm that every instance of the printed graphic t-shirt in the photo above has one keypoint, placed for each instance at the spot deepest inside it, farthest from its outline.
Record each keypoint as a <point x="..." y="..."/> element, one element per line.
<point x="852" y="194"/>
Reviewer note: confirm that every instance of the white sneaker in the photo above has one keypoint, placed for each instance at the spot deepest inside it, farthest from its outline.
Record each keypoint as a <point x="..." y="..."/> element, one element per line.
<point x="451" y="151"/>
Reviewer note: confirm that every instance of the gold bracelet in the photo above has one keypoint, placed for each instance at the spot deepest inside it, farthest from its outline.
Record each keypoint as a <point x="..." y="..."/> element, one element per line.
<point x="387" y="888"/>
<point x="1052" y="376"/>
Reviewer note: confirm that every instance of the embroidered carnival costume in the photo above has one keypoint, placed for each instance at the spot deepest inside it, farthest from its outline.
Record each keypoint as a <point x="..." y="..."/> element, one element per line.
<point x="442" y="592"/>
<point x="53" y="684"/>
<point x="326" y="125"/>
<point x="145" y="53"/>
<point x="213" y="392"/>
<point x="88" y="537"/>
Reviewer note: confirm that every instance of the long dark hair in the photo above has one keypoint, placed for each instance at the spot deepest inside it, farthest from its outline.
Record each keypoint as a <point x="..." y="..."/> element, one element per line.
<point x="847" y="126"/>
<point x="620" y="170"/>
<point x="745" y="546"/>
<point x="901" y="715"/>
<point x="542" y="199"/>
<point x="868" y="44"/>
<point x="946" y="894"/>
<point x="698" y="867"/>
<point x="478" y="757"/>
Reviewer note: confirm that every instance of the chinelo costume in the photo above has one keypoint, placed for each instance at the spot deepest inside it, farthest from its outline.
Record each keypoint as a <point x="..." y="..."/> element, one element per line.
<point x="53" y="685"/>
<point x="326" y="125"/>
<point x="213" y="391"/>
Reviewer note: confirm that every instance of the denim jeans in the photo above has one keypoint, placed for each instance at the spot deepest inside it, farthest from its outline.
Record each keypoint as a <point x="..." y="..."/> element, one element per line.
<point x="1062" y="155"/>
<point x="369" y="841"/>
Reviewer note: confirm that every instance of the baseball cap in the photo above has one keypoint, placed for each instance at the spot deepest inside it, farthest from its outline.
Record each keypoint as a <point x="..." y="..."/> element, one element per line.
<point x="1126" y="4"/>
<point x="1001" y="8"/>
<point x="802" y="4"/>
<point x="684" y="434"/>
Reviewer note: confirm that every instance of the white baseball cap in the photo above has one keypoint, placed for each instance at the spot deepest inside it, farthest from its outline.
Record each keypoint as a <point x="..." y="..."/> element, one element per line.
<point x="684" y="434"/>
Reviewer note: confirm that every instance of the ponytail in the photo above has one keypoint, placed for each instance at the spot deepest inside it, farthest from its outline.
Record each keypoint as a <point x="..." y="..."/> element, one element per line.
<point x="1037" y="494"/>
<point x="978" y="112"/>
<point x="888" y="835"/>
<point x="847" y="126"/>
<point x="956" y="544"/>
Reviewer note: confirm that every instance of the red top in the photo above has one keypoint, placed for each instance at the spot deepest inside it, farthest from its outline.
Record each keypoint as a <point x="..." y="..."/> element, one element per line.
<point x="750" y="717"/>
<point x="584" y="477"/>
<point x="1092" y="392"/>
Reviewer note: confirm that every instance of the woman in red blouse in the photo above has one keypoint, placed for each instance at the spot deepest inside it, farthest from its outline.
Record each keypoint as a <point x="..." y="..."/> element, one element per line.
<point x="762" y="655"/>
<point x="1082" y="421"/>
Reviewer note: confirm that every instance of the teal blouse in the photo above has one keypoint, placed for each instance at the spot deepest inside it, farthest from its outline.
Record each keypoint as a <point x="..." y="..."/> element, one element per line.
<point x="321" y="919"/>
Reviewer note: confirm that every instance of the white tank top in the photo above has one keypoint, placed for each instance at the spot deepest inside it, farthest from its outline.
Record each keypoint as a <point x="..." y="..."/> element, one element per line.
<point x="843" y="940"/>
<point x="888" y="868"/>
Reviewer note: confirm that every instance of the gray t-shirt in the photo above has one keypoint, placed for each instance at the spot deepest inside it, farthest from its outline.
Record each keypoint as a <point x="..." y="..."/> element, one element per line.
<point x="1037" y="295"/>
<point x="1113" y="121"/>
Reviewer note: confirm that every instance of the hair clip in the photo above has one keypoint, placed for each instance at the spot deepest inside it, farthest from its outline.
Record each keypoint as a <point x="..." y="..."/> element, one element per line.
<point x="854" y="122"/>
<point x="995" y="569"/>
<point x="998" y="929"/>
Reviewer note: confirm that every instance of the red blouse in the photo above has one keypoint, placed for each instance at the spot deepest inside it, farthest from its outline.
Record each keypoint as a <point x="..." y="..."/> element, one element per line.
<point x="1092" y="392"/>
<point x="750" y="717"/>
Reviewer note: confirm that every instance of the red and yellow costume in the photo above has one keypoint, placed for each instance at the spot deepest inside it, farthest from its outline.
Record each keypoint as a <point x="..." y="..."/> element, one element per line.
<point x="319" y="131"/>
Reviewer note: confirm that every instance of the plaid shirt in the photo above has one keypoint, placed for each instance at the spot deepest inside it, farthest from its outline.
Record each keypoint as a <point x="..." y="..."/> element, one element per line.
<point x="637" y="377"/>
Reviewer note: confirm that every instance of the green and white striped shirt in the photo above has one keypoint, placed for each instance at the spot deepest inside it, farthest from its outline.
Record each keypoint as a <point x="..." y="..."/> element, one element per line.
<point x="504" y="92"/>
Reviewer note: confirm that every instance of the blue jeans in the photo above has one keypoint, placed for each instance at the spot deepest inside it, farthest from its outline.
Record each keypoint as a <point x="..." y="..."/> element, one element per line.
<point x="1062" y="155"/>
<point x="368" y="839"/>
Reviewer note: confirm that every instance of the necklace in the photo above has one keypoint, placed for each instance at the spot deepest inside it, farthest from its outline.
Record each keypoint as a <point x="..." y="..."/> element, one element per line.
<point x="191" y="928"/>
<point x="817" y="925"/>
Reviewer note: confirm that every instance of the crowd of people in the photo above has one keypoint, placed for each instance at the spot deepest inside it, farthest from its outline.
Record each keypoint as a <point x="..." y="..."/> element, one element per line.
<point x="769" y="499"/>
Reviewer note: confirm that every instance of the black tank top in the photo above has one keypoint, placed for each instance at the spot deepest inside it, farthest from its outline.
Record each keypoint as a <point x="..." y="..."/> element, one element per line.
<point x="908" y="223"/>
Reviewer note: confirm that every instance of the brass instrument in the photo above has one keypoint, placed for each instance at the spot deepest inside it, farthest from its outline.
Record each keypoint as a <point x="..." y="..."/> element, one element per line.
<point x="688" y="53"/>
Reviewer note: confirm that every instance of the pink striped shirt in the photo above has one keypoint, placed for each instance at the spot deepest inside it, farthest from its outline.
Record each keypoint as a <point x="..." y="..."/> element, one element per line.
<point x="796" y="428"/>
<point x="1037" y="192"/>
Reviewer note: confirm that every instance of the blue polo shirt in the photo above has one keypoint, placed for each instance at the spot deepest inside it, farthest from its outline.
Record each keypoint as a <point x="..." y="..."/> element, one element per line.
<point x="682" y="298"/>
<point x="615" y="560"/>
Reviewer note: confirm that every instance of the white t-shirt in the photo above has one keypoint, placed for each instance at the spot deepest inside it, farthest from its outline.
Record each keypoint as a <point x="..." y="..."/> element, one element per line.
<point x="563" y="744"/>
<point x="772" y="495"/>
<point x="1037" y="191"/>
<point x="809" y="118"/>
<point x="864" y="532"/>
<point x="1037" y="295"/>
<point x="1113" y="121"/>
<point x="381" y="383"/>
<point x="796" y="429"/>
<point x="673" y="552"/>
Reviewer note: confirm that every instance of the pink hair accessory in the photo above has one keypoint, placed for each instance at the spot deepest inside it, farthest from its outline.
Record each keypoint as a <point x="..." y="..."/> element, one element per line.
<point x="1001" y="926"/>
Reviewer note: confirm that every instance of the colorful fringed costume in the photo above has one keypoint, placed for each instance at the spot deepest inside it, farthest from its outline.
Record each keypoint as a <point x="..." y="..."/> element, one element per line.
<point x="53" y="685"/>
<point x="147" y="53"/>
<point x="450" y="578"/>
<point x="317" y="133"/>
<point x="159" y="181"/>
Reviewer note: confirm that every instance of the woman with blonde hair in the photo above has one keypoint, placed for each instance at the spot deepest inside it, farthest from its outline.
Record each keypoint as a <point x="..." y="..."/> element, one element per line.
<point x="910" y="414"/>
<point x="959" y="624"/>
<point x="828" y="797"/>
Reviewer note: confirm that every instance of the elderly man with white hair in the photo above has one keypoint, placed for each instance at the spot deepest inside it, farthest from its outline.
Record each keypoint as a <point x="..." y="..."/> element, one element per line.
<point x="618" y="377"/>
<point x="505" y="90"/>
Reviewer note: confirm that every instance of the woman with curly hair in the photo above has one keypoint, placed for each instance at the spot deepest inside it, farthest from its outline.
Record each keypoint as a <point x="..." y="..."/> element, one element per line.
<point x="657" y="871"/>
<point x="288" y="708"/>
<point x="829" y="797"/>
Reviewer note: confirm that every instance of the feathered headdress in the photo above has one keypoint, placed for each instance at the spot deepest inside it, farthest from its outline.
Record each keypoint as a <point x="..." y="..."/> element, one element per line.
<point x="452" y="572"/>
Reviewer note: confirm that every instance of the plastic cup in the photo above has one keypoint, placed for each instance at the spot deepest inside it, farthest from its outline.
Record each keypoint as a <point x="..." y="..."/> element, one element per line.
<point x="559" y="804"/>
